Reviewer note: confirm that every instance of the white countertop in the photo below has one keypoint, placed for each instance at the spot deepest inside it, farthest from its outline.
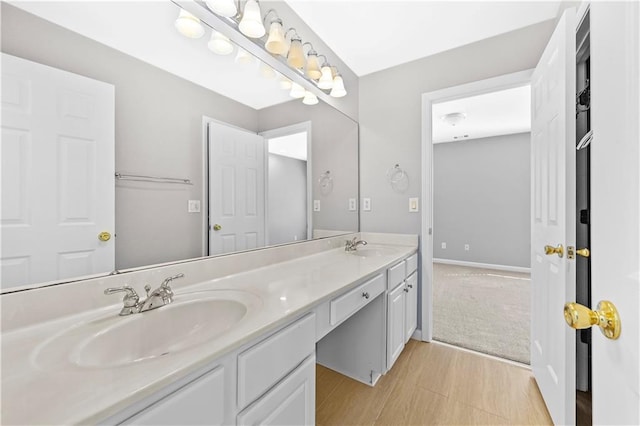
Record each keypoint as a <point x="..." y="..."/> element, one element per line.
<point x="64" y="393"/>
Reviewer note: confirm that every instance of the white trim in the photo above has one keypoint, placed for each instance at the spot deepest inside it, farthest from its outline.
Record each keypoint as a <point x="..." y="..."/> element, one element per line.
<point x="483" y="265"/>
<point x="304" y="126"/>
<point x="417" y="334"/>
<point x="507" y="81"/>
<point x="471" y="351"/>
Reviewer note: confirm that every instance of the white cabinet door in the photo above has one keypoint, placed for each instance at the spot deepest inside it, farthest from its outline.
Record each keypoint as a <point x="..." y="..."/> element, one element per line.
<point x="395" y="324"/>
<point x="411" y="309"/>
<point x="199" y="402"/>
<point x="291" y="402"/>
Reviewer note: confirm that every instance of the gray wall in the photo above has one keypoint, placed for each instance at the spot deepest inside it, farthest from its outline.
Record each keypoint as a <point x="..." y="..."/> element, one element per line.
<point x="287" y="199"/>
<point x="390" y="115"/>
<point x="158" y="132"/>
<point x="481" y="197"/>
<point x="335" y="148"/>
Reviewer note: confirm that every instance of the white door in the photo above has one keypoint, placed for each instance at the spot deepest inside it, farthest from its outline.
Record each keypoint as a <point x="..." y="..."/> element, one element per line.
<point x="236" y="189"/>
<point x="615" y="218"/>
<point x="553" y="220"/>
<point x="57" y="174"/>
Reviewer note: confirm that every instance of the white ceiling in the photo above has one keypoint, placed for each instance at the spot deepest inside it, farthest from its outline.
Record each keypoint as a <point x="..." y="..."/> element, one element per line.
<point x="372" y="35"/>
<point x="498" y="113"/>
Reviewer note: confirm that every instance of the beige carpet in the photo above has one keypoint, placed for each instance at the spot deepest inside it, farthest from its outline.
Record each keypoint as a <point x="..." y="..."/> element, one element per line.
<point x="482" y="309"/>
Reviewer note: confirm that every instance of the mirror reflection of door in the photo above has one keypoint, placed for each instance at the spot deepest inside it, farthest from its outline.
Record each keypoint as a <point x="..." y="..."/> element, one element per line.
<point x="287" y="188"/>
<point x="58" y="210"/>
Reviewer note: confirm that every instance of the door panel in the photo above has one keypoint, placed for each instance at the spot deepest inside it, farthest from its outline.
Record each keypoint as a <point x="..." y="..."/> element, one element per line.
<point x="615" y="192"/>
<point x="236" y="189"/>
<point x="57" y="174"/>
<point x="553" y="220"/>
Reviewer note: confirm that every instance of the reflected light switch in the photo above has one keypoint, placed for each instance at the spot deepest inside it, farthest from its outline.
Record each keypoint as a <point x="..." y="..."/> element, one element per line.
<point x="316" y="205"/>
<point x="194" y="206"/>
<point x="353" y="205"/>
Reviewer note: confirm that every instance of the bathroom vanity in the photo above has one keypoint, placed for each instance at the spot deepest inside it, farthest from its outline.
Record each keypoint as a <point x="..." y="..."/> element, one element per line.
<point x="238" y="344"/>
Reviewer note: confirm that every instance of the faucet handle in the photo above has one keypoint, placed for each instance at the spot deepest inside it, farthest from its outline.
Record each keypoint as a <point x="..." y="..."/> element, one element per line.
<point x="130" y="299"/>
<point x="165" y="283"/>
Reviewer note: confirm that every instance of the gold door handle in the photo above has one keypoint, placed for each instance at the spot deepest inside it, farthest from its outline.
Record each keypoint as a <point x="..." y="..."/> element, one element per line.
<point x="549" y="250"/>
<point x="104" y="236"/>
<point x="584" y="252"/>
<point x="605" y="316"/>
<point x="217" y="227"/>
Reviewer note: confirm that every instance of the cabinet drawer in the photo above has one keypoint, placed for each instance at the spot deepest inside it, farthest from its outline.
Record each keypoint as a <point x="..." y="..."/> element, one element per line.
<point x="395" y="275"/>
<point x="412" y="263"/>
<point x="347" y="304"/>
<point x="263" y="365"/>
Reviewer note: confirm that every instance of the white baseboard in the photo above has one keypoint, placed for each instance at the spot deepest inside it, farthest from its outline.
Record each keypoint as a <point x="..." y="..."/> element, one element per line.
<point x="417" y="335"/>
<point x="483" y="265"/>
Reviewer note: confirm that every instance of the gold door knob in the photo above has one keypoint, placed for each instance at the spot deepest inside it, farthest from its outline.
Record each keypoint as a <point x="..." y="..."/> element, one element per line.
<point x="104" y="236"/>
<point x="217" y="227"/>
<point x="605" y="316"/>
<point x="549" y="250"/>
<point x="584" y="252"/>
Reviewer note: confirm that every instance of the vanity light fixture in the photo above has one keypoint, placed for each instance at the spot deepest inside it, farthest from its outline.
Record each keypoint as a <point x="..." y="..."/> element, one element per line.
<point x="276" y="43"/>
<point x="243" y="57"/>
<point x="326" y="78"/>
<point x="188" y="25"/>
<point x="251" y="22"/>
<point x="219" y="43"/>
<point x="295" y="58"/>
<point x="309" y="98"/>
<point x="312" y="68"/>
<point x="223" y="7"/>
<point x="285" y="83"/>
<point x="338" y="89"/>
<point x="297" y="91"/>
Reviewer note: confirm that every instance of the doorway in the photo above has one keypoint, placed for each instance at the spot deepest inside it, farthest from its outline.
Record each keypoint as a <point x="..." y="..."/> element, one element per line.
<point x="481" y="216"/>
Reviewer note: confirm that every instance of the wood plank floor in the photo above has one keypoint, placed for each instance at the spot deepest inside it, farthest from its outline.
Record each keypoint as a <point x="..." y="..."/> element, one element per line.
<point x="433" y="384"/>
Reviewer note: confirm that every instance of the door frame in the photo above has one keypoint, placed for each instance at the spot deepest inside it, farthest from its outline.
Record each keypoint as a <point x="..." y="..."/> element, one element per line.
<point x="503" y="82"/>
<point x="304" y="126"/>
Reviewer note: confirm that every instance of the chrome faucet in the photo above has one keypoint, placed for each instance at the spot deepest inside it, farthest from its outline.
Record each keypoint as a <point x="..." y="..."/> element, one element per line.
<point x="352" y="245"/>
<point x="161" y="296"/>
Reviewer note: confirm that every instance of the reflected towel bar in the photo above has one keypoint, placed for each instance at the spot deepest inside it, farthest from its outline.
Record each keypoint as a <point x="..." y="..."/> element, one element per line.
<point x="156" y="179"/>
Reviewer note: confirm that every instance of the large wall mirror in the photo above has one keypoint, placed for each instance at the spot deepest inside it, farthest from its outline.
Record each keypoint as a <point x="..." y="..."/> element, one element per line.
<point x="183" y="122"/>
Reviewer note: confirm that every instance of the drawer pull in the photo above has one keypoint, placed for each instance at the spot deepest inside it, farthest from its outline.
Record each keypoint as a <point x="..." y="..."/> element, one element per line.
<point x="365" y="294"/>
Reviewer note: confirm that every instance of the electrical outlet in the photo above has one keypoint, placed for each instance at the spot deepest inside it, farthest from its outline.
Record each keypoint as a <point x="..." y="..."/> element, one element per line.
<point x="193" y="206"/>
<point x="413" y="205"/>
<point x="466" y="247"/>
<point x="353" y="205"/>
<point x="316" y="205"/>
<point x="366" y="204"/>
<point x="443" y="245"/>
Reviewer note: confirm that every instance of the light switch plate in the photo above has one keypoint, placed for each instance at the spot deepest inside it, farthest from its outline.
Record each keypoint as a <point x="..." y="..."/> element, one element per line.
<point x="414" y="205"/>
<point x="353" y="205"/>
<point x="366" y="204"/>
<point x="316" y="205"/>
<point x="193" y="206"/>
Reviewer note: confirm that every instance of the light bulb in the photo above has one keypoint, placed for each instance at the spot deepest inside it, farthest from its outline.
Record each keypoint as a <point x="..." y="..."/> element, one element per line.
<point x="223" y="7"/>
<point x="338" y="89"/>
<point x="313" y="68"/>
<point x="295" y="59"/>
<point x="188" y="25"/>
<point x="310" y="99"/>
<point x="220" y="44"/>
<point x="251" y="22"/>
<point x="275" y="43"/>
<point x="297" y="91"/>
<point x="326" y="80"/>
<point x="243" y="57"/>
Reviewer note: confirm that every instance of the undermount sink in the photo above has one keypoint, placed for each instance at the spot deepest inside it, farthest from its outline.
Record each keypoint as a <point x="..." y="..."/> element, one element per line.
<point x="191" y="320"/>
<point x="374" y="251"/>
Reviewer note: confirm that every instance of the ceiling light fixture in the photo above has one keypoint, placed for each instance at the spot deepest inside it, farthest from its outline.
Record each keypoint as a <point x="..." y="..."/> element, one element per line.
<point x="312" y="67"/>
<point x="297" y="91"/>
<point x="188" y="25"/>
<point x="251" y="22"/>
<point x="220" y="43"/>
<point x="295" y="57"/>
<point x="223" y="7"/>
<point x="454" y="118"/>
<point x="326" y="79"/>
<point x="338" y="89"/>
